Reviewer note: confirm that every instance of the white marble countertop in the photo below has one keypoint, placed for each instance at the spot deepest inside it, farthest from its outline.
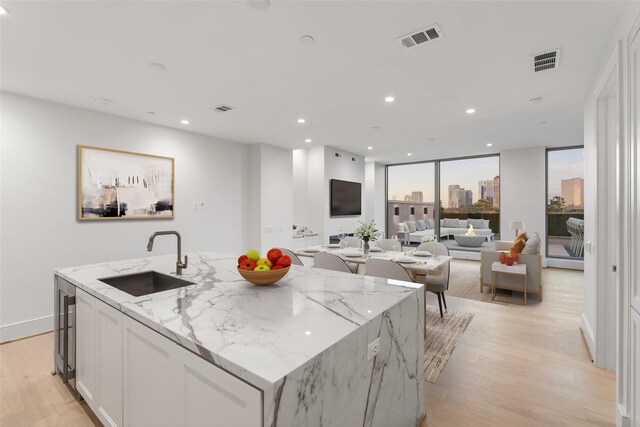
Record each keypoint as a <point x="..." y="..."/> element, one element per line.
<point x="259" y="333"/>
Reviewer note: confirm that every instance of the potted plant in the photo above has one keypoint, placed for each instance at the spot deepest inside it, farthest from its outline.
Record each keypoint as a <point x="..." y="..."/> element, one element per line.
<point x="367" y="232"/>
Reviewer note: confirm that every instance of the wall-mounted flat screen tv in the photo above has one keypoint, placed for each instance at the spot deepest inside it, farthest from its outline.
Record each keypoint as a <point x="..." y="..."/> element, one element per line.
<point x="346" y="198"/>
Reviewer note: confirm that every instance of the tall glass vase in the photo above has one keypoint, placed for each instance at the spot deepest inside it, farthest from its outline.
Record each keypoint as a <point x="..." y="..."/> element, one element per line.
<point x="365" y="247"/>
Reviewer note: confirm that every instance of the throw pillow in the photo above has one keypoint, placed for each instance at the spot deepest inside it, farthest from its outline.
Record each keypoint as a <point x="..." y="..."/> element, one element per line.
<point x="462" y="223"/>
<point x="431" y="224"/>
<point x="523" y="236"/>
<point x="477" y="223"/>
<point x="486" y="224"/>
<point x="450" y="223"/>
<point x="518" y="245"/>
<point x="412" y="226"/>
<point x="422" y="224"/>
<point x="401" y="226"/>
<point x="533" y="245"/>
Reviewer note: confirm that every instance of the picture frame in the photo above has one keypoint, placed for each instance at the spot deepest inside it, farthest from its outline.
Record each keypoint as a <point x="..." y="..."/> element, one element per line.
<point x="124" y="185"/>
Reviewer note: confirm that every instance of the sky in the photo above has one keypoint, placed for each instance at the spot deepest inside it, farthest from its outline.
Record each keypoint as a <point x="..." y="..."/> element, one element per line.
<point x="404" y="179"/>
<point x="564" y="164"/>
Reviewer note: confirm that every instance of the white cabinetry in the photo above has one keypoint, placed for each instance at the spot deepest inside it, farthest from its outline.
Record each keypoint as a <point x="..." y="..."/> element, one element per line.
<point x="167" y="385"/>
<point x="99" y="357"/>
<point x="86" y="346"/>
<point x="149" y="377"/>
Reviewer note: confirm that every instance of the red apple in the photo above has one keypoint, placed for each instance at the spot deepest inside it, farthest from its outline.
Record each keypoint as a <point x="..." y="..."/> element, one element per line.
<point x="242" y="258"/>
<point x="502" y="257"/>
<point x="509" y="260"/>
<point x="276" y="267"/>
<point x="284" y="261"/>
<point x="274" y="254"/>
<point x="247" y="264"/>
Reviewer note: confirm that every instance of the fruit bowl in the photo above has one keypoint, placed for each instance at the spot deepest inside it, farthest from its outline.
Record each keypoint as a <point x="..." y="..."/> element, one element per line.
<point x="263" y="277"/>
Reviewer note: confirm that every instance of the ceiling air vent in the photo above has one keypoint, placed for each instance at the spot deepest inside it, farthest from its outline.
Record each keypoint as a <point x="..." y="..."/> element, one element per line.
<point x="546" y="61"/>
<point x="420" y="37"/>
<point x="222" y="108"/>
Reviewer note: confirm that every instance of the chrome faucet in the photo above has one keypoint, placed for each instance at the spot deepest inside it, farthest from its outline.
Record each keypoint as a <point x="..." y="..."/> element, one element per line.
<point x="179" y="264"/>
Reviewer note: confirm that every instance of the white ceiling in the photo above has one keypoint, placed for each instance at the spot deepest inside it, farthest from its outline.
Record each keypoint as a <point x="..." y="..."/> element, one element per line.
<point x="228" y="52"/>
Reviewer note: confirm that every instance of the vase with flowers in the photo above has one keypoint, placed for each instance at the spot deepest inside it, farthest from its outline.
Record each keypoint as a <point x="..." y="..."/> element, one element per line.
<point x="367" y="232"/>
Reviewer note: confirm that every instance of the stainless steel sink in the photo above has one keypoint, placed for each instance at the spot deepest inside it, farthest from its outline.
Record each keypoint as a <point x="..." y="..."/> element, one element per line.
<point x="146" y="283"/>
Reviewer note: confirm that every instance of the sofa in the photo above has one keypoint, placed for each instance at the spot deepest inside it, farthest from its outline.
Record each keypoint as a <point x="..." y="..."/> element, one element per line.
<point x="530" y="256"/>
<point x="448" y="227"/>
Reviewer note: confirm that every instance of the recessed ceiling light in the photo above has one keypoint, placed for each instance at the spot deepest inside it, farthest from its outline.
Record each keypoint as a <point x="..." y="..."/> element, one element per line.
<point x="409" y="154"/>
<point x="301" y="120"/>
<point x="156" y="66"/>
<point x="151" y="113"/>
<point x="489" y="144"/>
<point x="184" y="122"/>
<point x="307" y="140"/>
<point x="307" y="40"/>
<point x="375" y="127"/>
<point x="535" y="100"/>
<point x="103" y="101"/>
<point x="369" y="148"/>
<point x="3" y="10"/>
<point x="432" y="139"/>
<point x="389" y="99"/>
<point x="542" y="123"/>
<point x="307" y="332"/>
<point x="470" y="110"/>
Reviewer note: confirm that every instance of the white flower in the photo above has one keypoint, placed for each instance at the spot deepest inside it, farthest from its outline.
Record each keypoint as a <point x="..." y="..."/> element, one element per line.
<point x="367" y="231"/>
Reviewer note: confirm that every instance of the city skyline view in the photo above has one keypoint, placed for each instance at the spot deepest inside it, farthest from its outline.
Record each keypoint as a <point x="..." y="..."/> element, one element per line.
<point x="564" y="165"/>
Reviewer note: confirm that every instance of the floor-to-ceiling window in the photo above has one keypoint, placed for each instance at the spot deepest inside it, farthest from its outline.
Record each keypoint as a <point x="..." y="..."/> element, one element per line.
<point x="469" y="194"/>
<point x="565" y="203"/>
<point x="470" y="190"/>
<point x="410" y="194"/>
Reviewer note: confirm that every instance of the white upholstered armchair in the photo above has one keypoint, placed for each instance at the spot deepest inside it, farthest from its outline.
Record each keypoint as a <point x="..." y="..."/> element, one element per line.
<point x="534" y="270"/>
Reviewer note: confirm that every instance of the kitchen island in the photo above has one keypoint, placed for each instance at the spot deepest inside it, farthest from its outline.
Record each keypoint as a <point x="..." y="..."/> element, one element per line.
<point x="225" y="352"/>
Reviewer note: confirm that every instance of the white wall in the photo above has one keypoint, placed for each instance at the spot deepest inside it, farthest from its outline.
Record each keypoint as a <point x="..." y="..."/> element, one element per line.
<point x="38" y="225"/>
<point x="375" y="194"/>
<point x="523" y="191"/>
<point x="271" y="186"/>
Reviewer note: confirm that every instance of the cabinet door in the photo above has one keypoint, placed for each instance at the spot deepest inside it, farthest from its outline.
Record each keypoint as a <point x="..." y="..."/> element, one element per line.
<point x="86" y="347"/>
<point x="109" y="364"/>
<point x="148" y="377"/>
<point x="210" y="397"/>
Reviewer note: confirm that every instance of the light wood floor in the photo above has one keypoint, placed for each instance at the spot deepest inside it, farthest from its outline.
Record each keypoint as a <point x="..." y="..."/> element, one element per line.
<point x="514" y="366"/>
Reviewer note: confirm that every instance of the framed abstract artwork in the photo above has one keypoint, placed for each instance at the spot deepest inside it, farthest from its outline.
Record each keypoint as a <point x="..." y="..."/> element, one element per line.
<point x="114" y="184"/>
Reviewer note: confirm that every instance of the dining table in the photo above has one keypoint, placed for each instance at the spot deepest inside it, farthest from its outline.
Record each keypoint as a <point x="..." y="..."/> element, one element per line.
<point x="422" y="264"/>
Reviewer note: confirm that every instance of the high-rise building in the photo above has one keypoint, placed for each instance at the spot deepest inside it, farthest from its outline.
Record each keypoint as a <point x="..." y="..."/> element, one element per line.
<point x="496" y="192"/>
<point x="485" y="190"/>
<point x="572" y="191"/>
<point x="468" y="197"/>
<point x="453" y="196"/>
<point x="416" y="196"/>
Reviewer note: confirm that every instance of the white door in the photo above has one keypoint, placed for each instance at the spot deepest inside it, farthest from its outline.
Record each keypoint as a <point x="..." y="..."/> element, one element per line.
<point x="149" y="378"/>
<point x="210" y="397"/>
<point x="86" y="347"/>
<point x="109" y="364"/>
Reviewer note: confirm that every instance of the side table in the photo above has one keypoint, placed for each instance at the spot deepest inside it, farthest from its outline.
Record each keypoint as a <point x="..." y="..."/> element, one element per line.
<point x="514" y="270"/>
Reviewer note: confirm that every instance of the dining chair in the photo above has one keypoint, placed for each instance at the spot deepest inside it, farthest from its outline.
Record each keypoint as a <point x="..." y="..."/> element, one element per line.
<point x="426" y="246"/>
<point x="386" y="269"/>
<point x="294" y="258"/>
<point x="351" y="242"/>
<point x="330" y="262"/>
<point x="439" y="284"/>
<point x="389" y="245"/>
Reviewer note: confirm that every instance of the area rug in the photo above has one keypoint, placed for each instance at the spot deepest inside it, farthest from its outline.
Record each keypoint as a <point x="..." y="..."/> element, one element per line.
<point x="442" y="337"/>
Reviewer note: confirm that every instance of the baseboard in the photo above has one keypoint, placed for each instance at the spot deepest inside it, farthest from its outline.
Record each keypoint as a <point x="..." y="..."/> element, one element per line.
<point x="569" y="264"/>
<point x="25" y="329"/>
<point x="587" y="334"/>
<point x="622" y="419"/>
